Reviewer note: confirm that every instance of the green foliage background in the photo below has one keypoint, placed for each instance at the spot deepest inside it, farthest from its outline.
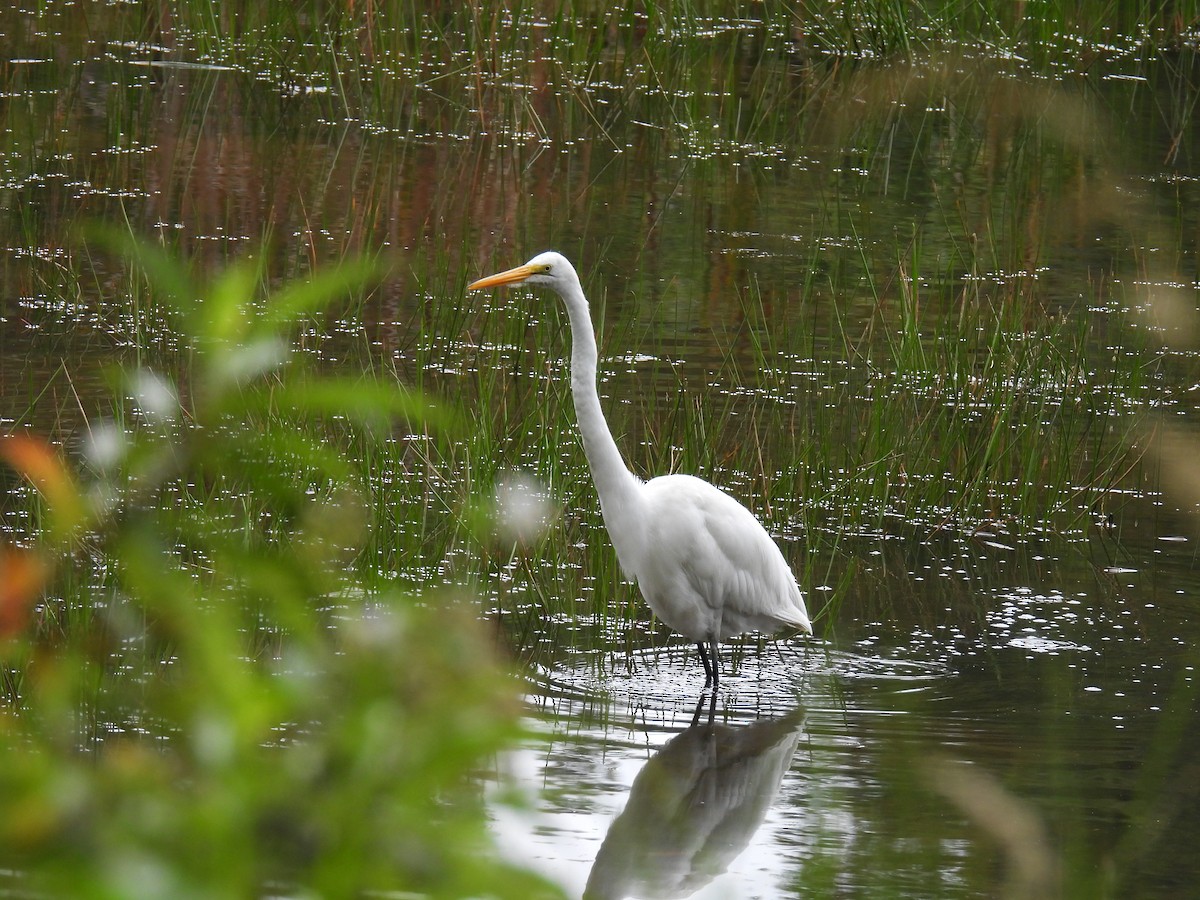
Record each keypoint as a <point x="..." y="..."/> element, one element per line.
<point x="239" y="714"/>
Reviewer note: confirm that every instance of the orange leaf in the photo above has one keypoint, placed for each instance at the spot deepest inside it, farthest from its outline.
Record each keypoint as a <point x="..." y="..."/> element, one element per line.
<point x="22" y="575"/>
<point x="41" y="464"/>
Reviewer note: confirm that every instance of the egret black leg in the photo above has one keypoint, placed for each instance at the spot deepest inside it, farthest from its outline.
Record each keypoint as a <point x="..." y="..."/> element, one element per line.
<point x="709" y="677"/>
<point x="712" y="707"/>
<point x="716" y="662"/>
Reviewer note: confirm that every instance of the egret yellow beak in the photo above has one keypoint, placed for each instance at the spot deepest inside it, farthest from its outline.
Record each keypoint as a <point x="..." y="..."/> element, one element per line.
<point x="511" y="276"/>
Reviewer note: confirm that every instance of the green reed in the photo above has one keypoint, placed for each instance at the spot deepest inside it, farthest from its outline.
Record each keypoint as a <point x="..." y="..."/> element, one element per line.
<point x="970" y="460"/>
<point x="959" y="430"/>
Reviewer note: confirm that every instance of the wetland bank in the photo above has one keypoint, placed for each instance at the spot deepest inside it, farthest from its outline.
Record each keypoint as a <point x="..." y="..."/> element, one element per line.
<point x="305" y="585"/>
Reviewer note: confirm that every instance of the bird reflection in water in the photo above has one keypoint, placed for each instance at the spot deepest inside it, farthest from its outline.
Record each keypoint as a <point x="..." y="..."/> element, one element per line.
<point x="694" y="807"/>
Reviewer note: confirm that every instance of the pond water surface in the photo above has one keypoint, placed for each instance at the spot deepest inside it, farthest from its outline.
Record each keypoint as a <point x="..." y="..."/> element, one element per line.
<point x="999" y="700"/>
<point x="1056" y="687"/>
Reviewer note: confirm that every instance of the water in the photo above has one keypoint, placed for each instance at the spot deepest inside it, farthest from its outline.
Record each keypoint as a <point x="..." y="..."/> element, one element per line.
<point x="751" y="231"/>
<point x="1053" y="679"/>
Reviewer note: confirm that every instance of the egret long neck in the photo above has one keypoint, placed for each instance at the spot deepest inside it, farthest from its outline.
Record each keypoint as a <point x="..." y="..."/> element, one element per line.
<point x="615" y="484"/>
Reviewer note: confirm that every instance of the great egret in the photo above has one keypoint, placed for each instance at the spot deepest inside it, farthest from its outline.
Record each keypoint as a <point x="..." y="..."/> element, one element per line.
<point x="704" y="563"/>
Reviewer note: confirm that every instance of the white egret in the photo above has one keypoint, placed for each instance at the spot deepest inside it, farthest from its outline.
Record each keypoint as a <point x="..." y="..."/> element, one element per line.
<point x="704" y="563"/>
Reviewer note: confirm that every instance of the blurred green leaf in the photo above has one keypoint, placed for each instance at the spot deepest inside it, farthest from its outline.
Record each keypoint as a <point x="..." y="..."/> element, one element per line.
<point x="322" y="288"/>
<point x="227" y="309"/>
<point x="364" y="402"/>
<point x="237" y="713"/>
<point x="171" y="281"/>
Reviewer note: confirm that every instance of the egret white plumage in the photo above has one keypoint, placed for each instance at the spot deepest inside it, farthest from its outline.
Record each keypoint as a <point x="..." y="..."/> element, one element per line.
<point x="704" y="563"/>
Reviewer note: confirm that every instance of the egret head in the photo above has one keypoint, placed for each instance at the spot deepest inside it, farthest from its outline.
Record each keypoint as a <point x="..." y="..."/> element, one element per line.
<point x="550" y="269"/>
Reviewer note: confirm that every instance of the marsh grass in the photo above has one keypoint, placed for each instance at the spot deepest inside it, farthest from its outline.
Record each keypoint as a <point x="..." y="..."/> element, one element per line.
<point x="927" y="402"/>
<point x="993" y="422"/>
<point x="406" y="69"/>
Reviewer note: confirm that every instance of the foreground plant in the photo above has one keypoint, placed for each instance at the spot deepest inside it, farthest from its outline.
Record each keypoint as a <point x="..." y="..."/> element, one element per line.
<point x="200" y="697"/>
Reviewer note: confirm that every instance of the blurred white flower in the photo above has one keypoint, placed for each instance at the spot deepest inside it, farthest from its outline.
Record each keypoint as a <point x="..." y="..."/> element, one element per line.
<point x="245" y="362"/>
<point x="105" y="445"/>
<point x="154" y="395"/>
<point x="522" y="510"/>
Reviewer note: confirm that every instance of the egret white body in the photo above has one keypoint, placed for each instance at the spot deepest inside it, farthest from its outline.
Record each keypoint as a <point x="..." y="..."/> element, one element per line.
<point x="704" y="563"/>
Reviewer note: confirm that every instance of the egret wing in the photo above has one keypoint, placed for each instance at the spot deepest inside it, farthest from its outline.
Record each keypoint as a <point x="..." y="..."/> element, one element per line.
<point x="724" y="558"/>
